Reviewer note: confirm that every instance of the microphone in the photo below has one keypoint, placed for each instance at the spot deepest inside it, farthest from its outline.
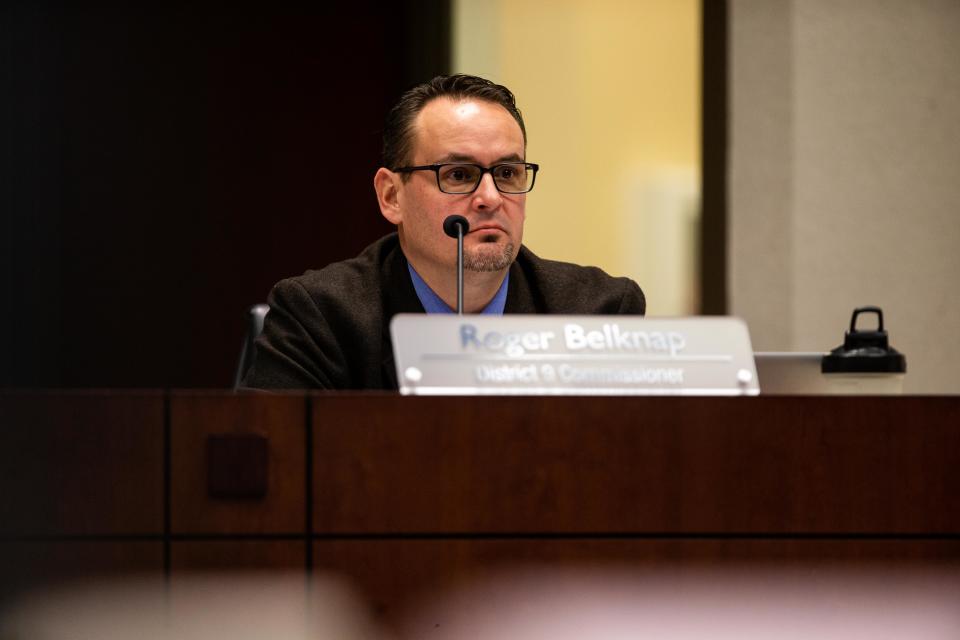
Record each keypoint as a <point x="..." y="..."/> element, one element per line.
<point x="450" y="225"/>
<point x="456" y="227"/>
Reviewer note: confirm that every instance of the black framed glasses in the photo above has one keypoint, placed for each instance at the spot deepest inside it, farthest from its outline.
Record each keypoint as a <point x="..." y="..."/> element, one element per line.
<point x="459" y="178"/>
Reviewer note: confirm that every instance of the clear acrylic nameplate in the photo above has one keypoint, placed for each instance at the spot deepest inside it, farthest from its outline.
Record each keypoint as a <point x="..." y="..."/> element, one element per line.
<point x="572" y="355"/>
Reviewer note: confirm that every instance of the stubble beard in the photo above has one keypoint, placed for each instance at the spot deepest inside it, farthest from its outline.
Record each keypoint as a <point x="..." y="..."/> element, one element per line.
<point x="488" y="257"/>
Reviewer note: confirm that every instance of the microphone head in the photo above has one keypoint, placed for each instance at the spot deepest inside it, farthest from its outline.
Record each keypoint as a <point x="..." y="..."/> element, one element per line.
<point x="450" y="225"/>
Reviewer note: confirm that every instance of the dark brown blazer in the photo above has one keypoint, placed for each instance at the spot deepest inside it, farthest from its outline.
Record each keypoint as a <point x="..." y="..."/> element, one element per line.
<point x="329" y="328"/>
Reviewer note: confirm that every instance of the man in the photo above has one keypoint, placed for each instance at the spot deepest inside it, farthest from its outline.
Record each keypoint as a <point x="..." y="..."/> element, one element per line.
<point x="455" y="145"/>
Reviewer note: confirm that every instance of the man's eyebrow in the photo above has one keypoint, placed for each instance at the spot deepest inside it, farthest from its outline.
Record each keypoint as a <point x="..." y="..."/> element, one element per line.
<point x="460" y="157"/>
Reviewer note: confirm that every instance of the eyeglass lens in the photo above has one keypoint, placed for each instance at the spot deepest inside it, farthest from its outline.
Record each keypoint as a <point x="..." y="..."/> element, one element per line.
<point x="514" y="177"/>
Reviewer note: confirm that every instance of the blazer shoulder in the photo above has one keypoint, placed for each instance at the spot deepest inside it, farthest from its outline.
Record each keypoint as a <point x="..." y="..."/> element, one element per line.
<point x="360" y="277"/>
<point x="574" y="289"/>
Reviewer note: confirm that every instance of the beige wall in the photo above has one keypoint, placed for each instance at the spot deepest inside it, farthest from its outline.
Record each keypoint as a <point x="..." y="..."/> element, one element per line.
<point x="845" y="175"/>
<point x="610" y="94"/>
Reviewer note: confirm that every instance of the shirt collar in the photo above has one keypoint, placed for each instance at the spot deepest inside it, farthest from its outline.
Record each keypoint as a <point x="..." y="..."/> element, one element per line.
<point x="432" y="303"/>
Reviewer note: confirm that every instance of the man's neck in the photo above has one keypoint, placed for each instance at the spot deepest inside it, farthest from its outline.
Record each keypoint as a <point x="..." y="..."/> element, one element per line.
<point x="479" y="288"/>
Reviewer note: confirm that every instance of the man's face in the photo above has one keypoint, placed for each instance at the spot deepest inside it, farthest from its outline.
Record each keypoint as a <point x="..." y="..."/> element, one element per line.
<point x="470" y="131"/>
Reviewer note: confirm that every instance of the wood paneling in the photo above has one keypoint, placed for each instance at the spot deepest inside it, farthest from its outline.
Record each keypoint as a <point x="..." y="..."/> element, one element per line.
<point x="212" y="556"/>
<point x="649" y="465"/>
<point x="73" y="464"/>
<point x="393" y="574"/>
<point x="279" y="419"/>
<point x="412" y="495"/>
<point x="37" y="564"/>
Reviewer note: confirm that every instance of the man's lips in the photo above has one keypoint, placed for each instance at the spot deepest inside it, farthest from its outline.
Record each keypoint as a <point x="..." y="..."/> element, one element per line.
<point x="486" y="229"/>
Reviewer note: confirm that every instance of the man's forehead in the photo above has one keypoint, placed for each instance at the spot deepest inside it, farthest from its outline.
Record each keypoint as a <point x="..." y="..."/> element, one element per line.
<point x="467" y="108"/>
<point x="458" y="129"/>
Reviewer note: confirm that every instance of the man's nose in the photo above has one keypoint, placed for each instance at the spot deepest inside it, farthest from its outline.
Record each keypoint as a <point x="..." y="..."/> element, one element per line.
<point x="487" y="196"/>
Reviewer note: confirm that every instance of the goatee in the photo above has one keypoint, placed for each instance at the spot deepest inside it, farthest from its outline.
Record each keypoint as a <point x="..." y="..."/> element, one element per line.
<point x="489" y="257"/>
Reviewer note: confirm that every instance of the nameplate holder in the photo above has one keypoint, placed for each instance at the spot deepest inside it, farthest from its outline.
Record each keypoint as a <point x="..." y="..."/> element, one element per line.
<point x="572" y="355"/>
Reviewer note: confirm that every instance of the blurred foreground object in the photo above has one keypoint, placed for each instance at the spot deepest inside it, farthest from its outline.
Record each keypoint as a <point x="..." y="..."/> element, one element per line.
<point x="254" y="606"/>
<point x="757" y="604"/>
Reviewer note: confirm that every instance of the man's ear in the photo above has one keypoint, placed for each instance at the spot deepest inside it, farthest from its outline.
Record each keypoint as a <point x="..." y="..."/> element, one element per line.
<point x="387" y="185"/>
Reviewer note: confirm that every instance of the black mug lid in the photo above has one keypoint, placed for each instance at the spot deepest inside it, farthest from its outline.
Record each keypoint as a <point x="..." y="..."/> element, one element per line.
<point x="864" y="351"/>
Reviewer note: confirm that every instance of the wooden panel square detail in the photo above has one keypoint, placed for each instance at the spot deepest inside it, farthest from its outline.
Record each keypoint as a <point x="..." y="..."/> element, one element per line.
<point x="238" y="466"/>
<point x="81" y="464"/>
<point x="261" y="451"/>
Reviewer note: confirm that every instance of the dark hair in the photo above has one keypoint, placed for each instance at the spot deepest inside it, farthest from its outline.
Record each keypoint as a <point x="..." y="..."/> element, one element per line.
<point x="397" y="131"/>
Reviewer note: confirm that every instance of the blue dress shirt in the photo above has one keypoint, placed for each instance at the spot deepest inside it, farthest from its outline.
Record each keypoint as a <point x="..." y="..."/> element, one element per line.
<point x="432" y="303"/>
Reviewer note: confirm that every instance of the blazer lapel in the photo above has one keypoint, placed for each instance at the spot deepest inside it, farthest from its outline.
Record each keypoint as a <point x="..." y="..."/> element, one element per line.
<point x="520" y="296"/>
<point x="399" y="296"/>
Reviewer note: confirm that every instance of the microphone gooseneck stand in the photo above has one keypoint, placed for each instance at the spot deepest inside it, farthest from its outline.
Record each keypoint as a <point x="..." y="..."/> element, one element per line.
<point x="456" y="227"/>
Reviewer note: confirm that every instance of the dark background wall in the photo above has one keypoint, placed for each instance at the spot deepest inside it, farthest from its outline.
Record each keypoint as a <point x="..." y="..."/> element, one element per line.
<point x="163" y="166"/>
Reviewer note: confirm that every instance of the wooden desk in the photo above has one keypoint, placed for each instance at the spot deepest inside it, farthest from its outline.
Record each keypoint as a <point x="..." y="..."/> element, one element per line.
<point x="410" y="494"/>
